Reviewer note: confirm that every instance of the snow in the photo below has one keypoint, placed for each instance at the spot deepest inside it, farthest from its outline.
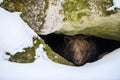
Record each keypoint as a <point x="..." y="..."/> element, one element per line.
<point x="16" y="34"/>
<point x="12" y="30"/>
<point x="105" y="69"/>
<point x="1" y="1"/>
<point x="116" y="5"/>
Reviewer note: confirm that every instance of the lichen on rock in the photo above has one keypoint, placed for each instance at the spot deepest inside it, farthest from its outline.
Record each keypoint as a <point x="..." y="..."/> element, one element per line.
<point x="91" y="18"/>
<point x="33" y="11"/>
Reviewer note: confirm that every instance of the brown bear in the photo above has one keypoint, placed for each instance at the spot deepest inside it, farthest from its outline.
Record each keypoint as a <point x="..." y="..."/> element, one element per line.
<point x="80" y="49"/>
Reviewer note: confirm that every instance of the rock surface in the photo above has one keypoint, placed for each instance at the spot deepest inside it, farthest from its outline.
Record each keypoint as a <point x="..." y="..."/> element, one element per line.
<point x="91" y="17"/>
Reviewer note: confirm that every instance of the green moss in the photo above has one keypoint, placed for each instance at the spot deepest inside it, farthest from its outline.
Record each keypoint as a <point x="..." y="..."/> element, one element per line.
<point x="47" y="4"/>
<point x="75" y="9"/>
<point x="12" y="5"/>
<point x="24" y="57"/>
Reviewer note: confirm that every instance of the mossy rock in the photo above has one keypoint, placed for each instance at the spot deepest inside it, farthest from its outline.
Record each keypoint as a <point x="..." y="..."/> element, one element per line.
<point x="91" y="17"/>
<point x="28" y="54"/>
<point x="54" y="56"/>
<point x="33" y="11"/>
<point x="88" y="17"/>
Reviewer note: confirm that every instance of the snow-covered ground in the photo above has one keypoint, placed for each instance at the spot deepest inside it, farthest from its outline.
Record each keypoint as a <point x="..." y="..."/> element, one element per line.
<point x="1" y="1"/>
<point x="15" y="35"/>
<point x="107" y="68"/>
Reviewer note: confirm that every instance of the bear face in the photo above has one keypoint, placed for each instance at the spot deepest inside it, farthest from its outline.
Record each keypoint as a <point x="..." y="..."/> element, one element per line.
<point x="79" y="50"/>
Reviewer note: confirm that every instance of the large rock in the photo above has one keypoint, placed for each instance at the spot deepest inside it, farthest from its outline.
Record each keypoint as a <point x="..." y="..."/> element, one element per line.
<point x="70" y="17"/>
<point x="42" y="15"/>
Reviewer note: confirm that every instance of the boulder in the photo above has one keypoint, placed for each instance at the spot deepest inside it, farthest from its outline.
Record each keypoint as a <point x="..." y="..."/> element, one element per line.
<point x="70" y="17"/>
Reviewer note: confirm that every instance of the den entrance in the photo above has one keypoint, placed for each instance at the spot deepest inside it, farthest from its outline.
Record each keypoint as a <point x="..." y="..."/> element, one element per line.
<point x="58" y="44"/>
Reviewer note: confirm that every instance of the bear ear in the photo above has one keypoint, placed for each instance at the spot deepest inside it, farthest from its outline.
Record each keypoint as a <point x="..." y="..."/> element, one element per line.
<point x="86" y="37"/>
<point x="67" y="39"/>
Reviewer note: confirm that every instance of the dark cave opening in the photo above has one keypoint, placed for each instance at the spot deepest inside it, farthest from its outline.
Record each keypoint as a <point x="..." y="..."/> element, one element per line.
<point x="57" y="44"/>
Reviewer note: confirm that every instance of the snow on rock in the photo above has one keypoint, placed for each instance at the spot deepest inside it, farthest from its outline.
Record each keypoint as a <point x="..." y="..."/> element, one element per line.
<point x="40" y="53"/>
<point x="116" y="5"/>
